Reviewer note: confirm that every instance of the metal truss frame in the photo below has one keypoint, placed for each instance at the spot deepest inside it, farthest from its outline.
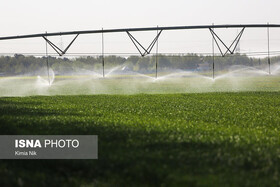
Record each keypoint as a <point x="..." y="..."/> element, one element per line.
<point x="146" y="51"/>
<point x="137" y="44"/>
<point x="236" y="41"/>
<point x="59" y="51"/>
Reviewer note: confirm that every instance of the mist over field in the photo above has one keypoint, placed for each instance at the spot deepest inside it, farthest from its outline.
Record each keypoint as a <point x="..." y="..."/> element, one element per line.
<point x="26" y="76"/>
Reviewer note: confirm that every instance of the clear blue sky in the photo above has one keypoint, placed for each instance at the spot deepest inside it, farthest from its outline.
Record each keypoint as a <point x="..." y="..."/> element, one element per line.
<point x="37" y="16"/>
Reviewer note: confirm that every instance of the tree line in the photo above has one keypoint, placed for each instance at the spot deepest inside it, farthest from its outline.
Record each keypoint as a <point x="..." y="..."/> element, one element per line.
<point x="20" y="64"/>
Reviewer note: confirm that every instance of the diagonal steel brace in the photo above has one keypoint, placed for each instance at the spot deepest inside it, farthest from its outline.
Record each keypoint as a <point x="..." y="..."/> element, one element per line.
<point x="57" y="49"/>
<point x="146" y="50"/>
<point x="236" y="41"/>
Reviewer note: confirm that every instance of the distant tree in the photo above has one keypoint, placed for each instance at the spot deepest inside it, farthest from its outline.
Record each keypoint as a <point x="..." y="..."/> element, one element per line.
<point x="20" y="64"/>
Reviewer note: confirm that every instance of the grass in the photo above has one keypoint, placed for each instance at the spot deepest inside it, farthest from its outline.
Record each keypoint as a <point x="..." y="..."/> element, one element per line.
<point x="206" y="139"/>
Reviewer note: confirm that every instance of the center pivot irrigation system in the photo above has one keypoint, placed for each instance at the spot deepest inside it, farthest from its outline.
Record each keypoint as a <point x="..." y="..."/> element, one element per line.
<point x="145" y="51"/>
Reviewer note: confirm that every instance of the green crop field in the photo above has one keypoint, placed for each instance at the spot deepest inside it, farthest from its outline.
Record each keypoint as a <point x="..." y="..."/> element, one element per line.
<point x="195" y="139"/>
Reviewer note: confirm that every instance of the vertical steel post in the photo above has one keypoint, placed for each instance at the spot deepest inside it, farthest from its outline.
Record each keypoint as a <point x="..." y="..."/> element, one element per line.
<point x="268" y="51"/>
<point x="103" y="63"/>
<point x="47" y="57"/>
<point x="213" y="56"/>
<point x="157" y="57"/>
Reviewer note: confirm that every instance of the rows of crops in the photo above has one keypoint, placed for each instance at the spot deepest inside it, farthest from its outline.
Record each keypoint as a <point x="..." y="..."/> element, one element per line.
<point x="202" y="139"/>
